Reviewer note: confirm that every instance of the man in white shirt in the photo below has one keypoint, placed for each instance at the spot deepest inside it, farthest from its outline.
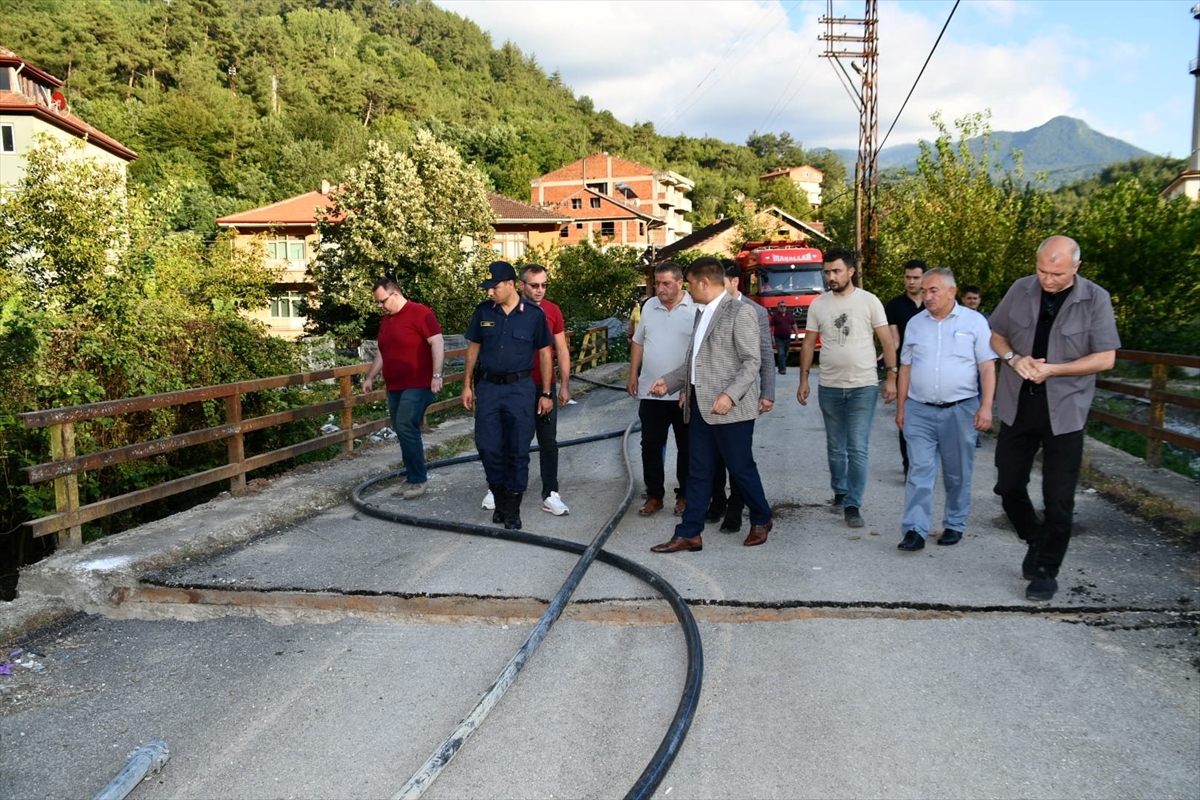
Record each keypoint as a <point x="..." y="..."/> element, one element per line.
<point x="659" y="345"/>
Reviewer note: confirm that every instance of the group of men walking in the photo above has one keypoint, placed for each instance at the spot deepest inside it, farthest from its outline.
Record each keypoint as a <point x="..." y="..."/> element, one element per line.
<point x="701" y="367"/>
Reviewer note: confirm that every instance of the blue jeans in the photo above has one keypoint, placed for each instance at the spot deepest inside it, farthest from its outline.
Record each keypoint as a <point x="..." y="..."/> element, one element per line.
<point x="849" y="414"/>
<point x="407" y="407"/>
<point x="945" y="436"/>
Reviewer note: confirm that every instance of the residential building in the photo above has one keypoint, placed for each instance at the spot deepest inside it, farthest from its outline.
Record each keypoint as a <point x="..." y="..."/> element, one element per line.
<point x="520" y="226"/>
<point x="719" y="238"/>
<point x="31" y="103"/>
<point x="807" y="179"/>
<point x="289" y="231"/>
<point x="616" y="201"/>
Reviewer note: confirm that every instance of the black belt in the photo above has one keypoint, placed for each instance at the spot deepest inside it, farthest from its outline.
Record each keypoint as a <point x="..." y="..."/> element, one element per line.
<point x="505" y="377"/>
<point x="945" y="405"/>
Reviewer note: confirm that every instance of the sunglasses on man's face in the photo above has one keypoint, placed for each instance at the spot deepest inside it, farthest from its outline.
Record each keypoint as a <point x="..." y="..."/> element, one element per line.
<point x="535" y="286"/>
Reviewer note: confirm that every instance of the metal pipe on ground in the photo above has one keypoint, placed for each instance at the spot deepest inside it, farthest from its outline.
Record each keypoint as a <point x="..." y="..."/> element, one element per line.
<point x="150" y="757"/>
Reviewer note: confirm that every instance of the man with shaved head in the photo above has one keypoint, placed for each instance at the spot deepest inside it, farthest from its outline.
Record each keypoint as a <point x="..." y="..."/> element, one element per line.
<point x="1054" y="331"/>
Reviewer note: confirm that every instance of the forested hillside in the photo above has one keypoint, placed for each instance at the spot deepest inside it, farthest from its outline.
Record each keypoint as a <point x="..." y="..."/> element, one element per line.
<point x="242" y="102"/>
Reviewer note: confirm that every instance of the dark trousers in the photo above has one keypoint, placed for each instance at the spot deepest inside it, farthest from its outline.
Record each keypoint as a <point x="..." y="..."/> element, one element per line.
<point x="903" y="452"/>
<point x="730" y="442"/>
<point x="504" y="425"/>
<point x="547" y="439"/>
<point x="730" y="508"/>
<point x="658" y="418"/>
<point x="1062" y="456"/>
<point x="782" y="343"/>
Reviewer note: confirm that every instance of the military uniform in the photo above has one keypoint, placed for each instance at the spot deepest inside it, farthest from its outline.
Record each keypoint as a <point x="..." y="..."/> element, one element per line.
<point x="505" y="398"/>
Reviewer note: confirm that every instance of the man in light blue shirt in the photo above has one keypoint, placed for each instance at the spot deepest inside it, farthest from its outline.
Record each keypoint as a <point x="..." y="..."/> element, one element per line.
<point x="946" y="357"/>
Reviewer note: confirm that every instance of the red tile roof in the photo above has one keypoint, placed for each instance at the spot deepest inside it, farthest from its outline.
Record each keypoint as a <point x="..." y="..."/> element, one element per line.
<point x="299" y="210"/>
<point x="508" y="210"/>
<point x="13" y="102"/>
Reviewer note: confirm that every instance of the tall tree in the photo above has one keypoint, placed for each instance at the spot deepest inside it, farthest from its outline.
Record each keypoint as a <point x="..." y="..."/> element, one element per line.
<point x="405" y="214"/>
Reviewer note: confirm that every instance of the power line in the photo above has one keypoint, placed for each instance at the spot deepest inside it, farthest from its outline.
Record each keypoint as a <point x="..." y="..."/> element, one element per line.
<point x="919" y="74"/>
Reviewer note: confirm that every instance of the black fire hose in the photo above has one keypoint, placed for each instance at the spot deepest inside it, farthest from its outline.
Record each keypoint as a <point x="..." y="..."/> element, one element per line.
<point x="664" y="756"/>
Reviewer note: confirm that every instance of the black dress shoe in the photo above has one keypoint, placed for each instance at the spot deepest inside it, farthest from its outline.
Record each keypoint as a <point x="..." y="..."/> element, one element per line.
<point x="731" y="524"/>
<point x="950" y="537"/>
<point x="912" y="542"/>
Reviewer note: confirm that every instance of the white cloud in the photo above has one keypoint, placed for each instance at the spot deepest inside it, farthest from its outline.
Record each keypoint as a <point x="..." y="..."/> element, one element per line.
<point x="727" y="67"/>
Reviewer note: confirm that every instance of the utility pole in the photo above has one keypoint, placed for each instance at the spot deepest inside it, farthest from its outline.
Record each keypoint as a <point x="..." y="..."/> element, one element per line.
<point x="859" y="39"/>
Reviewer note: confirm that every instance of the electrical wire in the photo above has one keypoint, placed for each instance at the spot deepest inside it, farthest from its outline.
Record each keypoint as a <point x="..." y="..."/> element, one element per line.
<point x="919" y="74"/>
<point x="668" y="748"/>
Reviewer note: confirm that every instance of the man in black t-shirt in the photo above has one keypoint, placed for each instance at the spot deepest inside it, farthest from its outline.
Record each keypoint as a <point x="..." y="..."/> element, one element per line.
<point x="900" y="309"/>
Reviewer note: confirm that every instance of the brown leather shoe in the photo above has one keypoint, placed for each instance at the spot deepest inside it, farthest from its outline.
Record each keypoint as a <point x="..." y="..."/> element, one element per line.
<point x="677" y="543"/>
<point x="680" y="506"/>
<point x="651" y="506"/>
<point x="758" y="533"/>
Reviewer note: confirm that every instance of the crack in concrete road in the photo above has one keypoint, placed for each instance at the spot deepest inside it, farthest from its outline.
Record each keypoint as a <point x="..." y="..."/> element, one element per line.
<point x="282" y="606"/>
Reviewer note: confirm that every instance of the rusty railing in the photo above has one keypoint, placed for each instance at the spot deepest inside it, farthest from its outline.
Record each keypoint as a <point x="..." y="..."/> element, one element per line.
<point x="1155" y="431"/>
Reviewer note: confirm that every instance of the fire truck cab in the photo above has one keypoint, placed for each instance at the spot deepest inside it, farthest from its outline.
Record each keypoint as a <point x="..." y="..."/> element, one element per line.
<point x="783" y="271"/>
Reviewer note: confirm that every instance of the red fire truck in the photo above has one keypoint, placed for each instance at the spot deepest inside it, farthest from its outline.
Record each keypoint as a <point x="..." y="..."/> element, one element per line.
<point x="787" y="271"/>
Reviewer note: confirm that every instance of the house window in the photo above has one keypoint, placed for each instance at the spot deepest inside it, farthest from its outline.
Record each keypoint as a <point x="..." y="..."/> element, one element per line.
<point x="579" y="226"/>
<point x="608" y="229"/>
<point x="5" y="80"/>
<point x="565" y="232"/>
<point x="8" y="142"/>
<point x="286" y="305"/>
<point x="602" y="188"/>
<point x="641" y="229"/>
<point x="285" y="248"/>
<point x="576" y="202"/>
<point x="595" y="202"/>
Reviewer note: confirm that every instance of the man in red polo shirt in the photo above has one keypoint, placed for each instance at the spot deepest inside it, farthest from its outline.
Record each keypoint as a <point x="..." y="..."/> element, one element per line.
<point x="533" y="289"/>
<point x="410" y="357"/>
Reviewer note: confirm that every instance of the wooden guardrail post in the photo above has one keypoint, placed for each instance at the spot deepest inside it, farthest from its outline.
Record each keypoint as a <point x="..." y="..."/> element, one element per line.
<point x="347" y="392"/>
<point x="66" y="489"/>
<point x="235" y="445"/>
<point x="1158" y="414"/>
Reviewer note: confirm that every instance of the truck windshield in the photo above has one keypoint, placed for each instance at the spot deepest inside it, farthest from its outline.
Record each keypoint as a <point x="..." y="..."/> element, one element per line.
<point x="789" y="281"/>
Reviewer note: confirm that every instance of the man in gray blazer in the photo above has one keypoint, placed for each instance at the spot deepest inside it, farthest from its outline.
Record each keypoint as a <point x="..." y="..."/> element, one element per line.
<point x="719" y="378"/>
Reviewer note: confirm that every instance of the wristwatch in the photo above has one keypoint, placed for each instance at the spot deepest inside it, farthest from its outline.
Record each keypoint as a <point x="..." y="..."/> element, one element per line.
<point x="1009" y="356"/>
<point x="437" y="374"/>
<point x="547" y="395"/>
<point x="893" y="369"/>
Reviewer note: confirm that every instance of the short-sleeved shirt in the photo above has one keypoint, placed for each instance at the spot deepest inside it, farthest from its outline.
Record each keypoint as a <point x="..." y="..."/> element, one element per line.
<point x="1085" y="324"/>
<point x="404" y="347"/>
<point x="664" y="335"/>
<point x="508" y="342"/>
<point x="900" y="310"/>
<point x="557" y="325"/>
<point x="847" y="326"/>
<point x="781" y="324"/>
<point x="945" y="355"/>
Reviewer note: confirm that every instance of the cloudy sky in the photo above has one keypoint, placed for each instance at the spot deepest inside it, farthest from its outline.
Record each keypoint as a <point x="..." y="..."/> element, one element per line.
<point x="728" y="67"/>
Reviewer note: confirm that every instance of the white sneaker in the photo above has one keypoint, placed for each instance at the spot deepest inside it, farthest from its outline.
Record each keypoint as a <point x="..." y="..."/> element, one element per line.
<point x="555" y="505"/>
<point x="489" y="501"/>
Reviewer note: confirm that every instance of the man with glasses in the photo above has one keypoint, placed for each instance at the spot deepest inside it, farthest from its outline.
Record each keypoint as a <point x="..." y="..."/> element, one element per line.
<point x="410" y="357"/>
<point x="1055" y="330"/>
<point x="533" y="288"/>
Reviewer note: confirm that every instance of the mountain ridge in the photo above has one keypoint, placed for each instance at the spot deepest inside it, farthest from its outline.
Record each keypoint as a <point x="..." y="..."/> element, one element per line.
<point x="1065" y="148"/>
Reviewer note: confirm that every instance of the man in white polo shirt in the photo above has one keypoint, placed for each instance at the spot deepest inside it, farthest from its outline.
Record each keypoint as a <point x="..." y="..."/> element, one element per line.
<point x="659" y="345"/>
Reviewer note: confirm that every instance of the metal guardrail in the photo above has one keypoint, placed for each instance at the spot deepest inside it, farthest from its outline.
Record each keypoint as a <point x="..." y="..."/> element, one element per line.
<point x="66" y="465"/>
<point x="1155" y="430"/>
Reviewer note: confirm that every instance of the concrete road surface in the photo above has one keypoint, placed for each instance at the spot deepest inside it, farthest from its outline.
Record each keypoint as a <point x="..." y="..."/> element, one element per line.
<point x="329" y="654"/>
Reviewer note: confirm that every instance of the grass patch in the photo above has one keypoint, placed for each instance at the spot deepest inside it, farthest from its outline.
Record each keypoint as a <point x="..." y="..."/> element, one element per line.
<point x="1174" y="519"/>
<point x="455" y="445"/>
